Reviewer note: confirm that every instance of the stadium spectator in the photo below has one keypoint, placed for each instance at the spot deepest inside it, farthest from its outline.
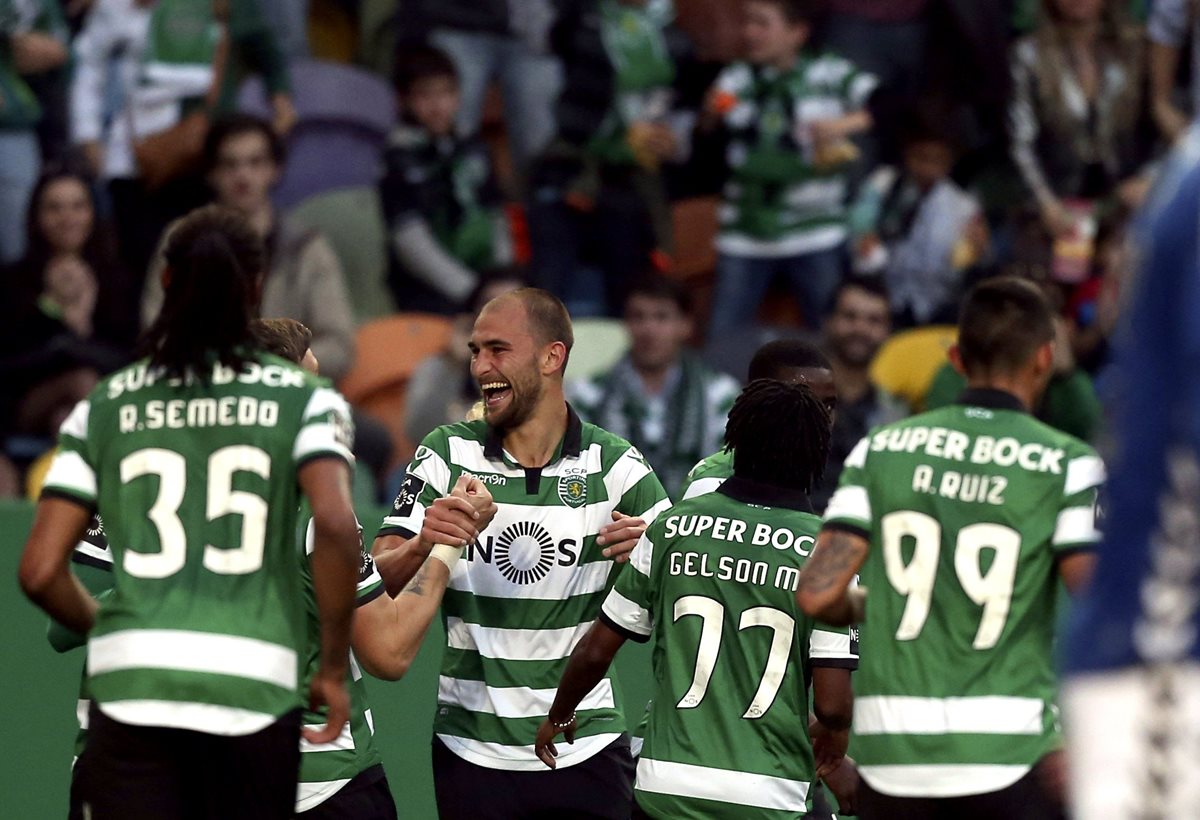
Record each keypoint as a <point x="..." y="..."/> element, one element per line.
<point x="35" y="42"/>
<point x="1078" y="116"/>
<point x="533" y="578"/>
<point x="442" y="390"/>
<point x="504" y="41"/>
<point x="440" y="199"/>
<point x="660" y="396"/>
<point x="923" y="232"/>
<point x="1094" y="306"/>
<point x="787" y="113"/>
<point x="856" y="327"/>
<point x="244" y="159"/>
<point x="65" y="317"/>
<point x="598" y="192"/>
<point x="1173" y="24"/>
<point x="173" y="60"/>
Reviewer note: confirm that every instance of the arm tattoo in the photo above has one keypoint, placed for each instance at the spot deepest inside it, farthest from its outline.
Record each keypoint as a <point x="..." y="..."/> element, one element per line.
<point x="834" y="565"/>
<point x="417" y="585"/>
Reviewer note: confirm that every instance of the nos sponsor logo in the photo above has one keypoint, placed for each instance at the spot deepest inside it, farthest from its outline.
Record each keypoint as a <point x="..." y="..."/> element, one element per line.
<point x="524" y="552"/>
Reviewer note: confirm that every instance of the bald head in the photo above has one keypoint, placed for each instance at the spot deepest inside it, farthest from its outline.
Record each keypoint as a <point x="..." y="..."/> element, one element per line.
<point x="547" y="316"/>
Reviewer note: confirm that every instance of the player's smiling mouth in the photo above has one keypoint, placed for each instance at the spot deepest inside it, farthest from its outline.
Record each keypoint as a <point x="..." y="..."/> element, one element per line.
<point x="495" y="392"/>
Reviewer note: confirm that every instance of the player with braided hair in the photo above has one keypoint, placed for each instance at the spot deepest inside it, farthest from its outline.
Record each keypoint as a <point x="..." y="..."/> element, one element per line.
<point x="713" y="579"/>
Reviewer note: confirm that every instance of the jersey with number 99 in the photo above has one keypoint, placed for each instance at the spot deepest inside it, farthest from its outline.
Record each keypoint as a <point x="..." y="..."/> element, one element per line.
<point x="196" y="483"/>
<point x="967" y="509"/>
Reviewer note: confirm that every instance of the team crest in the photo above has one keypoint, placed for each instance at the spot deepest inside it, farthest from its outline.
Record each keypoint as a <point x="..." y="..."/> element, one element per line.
<point x="572" y="490"/>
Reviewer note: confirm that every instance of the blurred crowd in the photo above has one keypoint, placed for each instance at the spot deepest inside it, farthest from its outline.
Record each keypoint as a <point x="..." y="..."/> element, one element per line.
<point x="693" y="177"/>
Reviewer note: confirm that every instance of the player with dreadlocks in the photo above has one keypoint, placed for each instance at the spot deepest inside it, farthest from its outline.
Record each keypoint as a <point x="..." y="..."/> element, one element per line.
<point x="713" y="580"/>
<point x="195" y="458"/>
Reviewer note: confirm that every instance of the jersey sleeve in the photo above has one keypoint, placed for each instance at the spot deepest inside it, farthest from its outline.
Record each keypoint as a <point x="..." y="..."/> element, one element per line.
<point x="1076" y="527"/>
<point x="637" y="486"/>
<point x="72" y="473"/>
<point x="326" y="429"/>
<point x="627" y="608"/>
<point x="93" y="550"/>
<point x="834" y="647"/>
<point x="370" y="582"/>
<point x="850" y="506"/>
<point x="427" y="480"/>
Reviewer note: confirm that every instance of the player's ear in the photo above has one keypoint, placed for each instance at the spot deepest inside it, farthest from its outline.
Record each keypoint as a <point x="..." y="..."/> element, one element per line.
<point x="955" y="356"/>
<point x="554" y="358"/>
<point x="1045" y="357"/>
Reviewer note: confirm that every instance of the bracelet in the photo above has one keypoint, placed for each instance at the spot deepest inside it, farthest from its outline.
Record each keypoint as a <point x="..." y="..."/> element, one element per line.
<point x="564" y="724"/>
<point x="447" y="554"/>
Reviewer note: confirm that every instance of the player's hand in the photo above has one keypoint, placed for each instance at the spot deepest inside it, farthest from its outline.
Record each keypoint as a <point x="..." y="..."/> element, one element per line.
<point x="476" y="493"/>
<point x="1052" y="774"/>
<point x="452" y="520"/>
<point x="621" y="536"/>
<point x="829" y="747"/>
<point x="544" y="747"/>
<point x="328" y="689"/>
<point x="843" y="782"/>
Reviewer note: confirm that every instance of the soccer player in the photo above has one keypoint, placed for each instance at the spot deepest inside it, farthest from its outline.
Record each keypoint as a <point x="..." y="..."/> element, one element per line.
<point x="712" y="580"/>
<point x="196" y="458"/>
<point x="532" y="578"/>
<point x="961" y="522"/>
<point x="785" y="360"/>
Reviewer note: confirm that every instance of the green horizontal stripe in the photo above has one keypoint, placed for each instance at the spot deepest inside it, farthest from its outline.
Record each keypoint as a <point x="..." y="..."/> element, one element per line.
<point x="695" y="808"/>
<point x="886" y="750"/>
<point x="454" y="720"/>
<point x="467" y="664"/>
<point x="514" y="613"/>
<point x="193" y="687"/>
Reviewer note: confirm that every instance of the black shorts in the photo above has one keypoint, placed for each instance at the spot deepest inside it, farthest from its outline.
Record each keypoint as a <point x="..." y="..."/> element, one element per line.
<point x="366" y="797"/>
<point x="599" y="788"/>
<point x="155" y="773"/>
<point x="1025" y="799"/>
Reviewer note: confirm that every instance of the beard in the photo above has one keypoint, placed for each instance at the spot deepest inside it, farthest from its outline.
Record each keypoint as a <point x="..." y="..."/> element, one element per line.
<point x="525" y="393"/>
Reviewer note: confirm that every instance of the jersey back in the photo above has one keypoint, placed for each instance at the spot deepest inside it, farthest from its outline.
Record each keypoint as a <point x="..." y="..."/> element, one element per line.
<point x="966" y="509"/>
<point x="713" y="580"/>
<point x="196" y="483"/>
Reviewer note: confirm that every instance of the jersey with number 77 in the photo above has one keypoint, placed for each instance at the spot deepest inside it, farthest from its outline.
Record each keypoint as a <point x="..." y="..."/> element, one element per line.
<point x="197" y="487"/>
<point x="967" y="510"/>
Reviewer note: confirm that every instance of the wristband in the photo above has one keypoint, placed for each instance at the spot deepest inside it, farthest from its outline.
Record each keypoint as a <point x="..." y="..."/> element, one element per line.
<point x="447" y="554"/>
<point x="564" y="724"/>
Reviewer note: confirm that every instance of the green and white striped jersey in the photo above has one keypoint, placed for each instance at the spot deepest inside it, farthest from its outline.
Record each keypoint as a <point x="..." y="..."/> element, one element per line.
<point x="708" y="474"/>
<point x="713" y="580"/>
<point x="967" y="509"/>
<point x="325" y="768"/>
<point x="529" y="587"/>
<point x="196" y="483"/>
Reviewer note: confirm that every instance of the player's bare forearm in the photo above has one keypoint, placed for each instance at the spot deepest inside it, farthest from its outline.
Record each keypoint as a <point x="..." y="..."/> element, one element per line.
<point x="586" y="667"/>
<point x="398" y="559"/>
<point x="335" y="556"/>
<point x="833" y="698"/>
<point x="1076" y="570"/>
<point x="823" y="591"/>
<point x="388" y="631"/>
<point x="45" y="574"/>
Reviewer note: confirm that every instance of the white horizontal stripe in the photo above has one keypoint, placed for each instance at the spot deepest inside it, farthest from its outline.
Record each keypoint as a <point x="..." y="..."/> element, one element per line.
<point x="186" y="651"/>
<point x="209" y="718"/>
<point x="483" y="578"/>
<point x="311" y="795"/>
<point x="995" y="714"/>
<point x="514" y="701"/>
<point x="1076" y="525"/>
<point x="522" y="758"/>
<point x="101" y="554"/>
<point x="324" y="400"/>
<point x="81" y="712"/>
<point x="68" y="471"/>
<point x="849" y="503"/>
<point x="706" y="783"/>
<point x="514" y="644"/>
<point x="320" y="438"/>
<point x="636" y="742"/>
<point x="344" y="742"/>
<point x="824" y="643"/>
<point x="626" y="613"/>
<point x="1083" y="473"/>
<point x="702" y="486"/>
<point x="941" y="779"/>
<point x="802" y="240"/>
<point x="193" y="76"/>
<point x="627" y="471"/>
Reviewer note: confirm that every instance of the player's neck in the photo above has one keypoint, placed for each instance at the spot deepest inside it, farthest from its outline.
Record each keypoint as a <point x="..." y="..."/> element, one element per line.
<point x="1017" y="386"/>
<point x="533" y="443"/>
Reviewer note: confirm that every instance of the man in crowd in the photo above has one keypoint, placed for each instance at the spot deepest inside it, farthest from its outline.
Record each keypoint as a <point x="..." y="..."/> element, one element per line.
<point x="963" y="522"/>
<point x="660" y="396"/>
<point x="533" y="577"/>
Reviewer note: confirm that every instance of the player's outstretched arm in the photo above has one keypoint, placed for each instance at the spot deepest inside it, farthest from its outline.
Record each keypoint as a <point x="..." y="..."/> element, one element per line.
<point x="336" y="547"/>
<point x="824" y="590"/>
<point x="45" y="574"/>
<point x="452" y="520"/>
<point x="388" y="631"/>
<point x="1076" y="569"/>
<point x="588" y="662"/>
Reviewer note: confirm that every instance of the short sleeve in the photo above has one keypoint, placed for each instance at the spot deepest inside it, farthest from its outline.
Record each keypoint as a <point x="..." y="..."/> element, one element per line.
<point x="72" y="474"/>
<point x="627" y="609"/>
<point x="326" y="429"/>
<point x="370" y="582"/>
<point x="850" y="506"/>
<point x="834" y="647"/>
<point x="93" y="550"/>
<point x="637" y="486"/>
<point x="1076" y="526"/>
<point x="427" y="480"/>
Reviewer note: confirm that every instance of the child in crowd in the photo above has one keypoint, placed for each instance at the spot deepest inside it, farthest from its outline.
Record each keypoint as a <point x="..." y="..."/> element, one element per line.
<point x="787" y="113"/>
<point x="443" y="208"/>
<point x="917" y="227"/>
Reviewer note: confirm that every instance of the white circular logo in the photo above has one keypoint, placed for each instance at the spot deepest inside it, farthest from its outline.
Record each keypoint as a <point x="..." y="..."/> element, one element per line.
<point x="524" y="553"/>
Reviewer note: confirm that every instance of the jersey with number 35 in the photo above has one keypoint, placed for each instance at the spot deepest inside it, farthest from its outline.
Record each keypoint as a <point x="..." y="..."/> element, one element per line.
<point x="967" y="509"/>
<point x="196" y="483"/>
